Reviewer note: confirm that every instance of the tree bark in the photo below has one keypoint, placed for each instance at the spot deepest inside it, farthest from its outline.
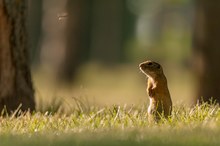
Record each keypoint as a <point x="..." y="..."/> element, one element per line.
<point x="207" y="50"/>
<point x="15" y="77"/>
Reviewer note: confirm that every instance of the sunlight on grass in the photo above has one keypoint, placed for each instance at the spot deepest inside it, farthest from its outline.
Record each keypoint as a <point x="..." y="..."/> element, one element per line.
<point x="108" y="106"/>
<point x="114" y="125"/>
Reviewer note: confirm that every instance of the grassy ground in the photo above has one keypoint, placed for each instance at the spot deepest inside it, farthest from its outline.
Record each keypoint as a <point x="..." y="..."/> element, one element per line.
<point x="115" y="125"/>
<point x="104" y="112"/>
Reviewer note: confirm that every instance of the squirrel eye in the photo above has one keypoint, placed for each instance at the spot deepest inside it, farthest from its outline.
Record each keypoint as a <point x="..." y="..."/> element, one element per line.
<point x="150" y="63"/>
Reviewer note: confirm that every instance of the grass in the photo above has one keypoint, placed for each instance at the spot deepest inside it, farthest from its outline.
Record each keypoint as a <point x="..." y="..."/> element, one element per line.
<point x="105" y="123"/>
<point x="114" y="125"/>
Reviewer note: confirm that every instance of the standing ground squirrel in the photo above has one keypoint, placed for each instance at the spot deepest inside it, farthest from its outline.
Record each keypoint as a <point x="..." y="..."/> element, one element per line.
<point x="157" y="89"/>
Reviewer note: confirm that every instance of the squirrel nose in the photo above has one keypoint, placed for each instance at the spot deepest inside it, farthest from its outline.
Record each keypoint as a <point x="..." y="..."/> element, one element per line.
<point x="142" y="65"/>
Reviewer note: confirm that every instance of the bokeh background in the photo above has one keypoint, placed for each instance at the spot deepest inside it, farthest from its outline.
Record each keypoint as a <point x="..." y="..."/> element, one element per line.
<point x="94" y="52"/>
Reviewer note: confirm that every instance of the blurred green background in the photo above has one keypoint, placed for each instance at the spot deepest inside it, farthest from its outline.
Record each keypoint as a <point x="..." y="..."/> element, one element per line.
<point x="94" y="52"/>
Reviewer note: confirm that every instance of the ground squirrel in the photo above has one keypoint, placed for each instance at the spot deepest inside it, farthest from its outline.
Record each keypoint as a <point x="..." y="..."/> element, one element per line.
<point x="157" y="89"/>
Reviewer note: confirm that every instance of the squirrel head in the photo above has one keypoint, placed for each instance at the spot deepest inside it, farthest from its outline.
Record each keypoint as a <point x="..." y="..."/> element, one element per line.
<point x="151" y="69"/>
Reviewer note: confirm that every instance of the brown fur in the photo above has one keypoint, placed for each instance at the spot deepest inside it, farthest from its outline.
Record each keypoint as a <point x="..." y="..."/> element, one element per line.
<point x="157" y="89"/>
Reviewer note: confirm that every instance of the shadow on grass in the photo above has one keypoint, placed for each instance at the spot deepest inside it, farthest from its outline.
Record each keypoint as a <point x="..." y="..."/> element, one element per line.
<point x="126" y="138"/>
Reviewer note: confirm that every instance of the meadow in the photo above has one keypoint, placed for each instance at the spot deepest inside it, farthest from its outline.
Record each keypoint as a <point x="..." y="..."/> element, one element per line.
<point x="116" y="125"/>
<point x="100" y="110"/>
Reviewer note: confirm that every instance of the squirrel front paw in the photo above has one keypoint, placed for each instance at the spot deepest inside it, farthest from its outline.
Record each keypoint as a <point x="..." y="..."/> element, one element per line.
<point x="151" y="92"/>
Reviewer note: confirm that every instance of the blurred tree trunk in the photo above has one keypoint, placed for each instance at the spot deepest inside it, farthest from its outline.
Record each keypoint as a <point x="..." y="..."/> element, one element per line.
<point x="15" y="77"/>
<point x="34" y="29"/>
<point x="96" y="30"/>
<point x="77" y="48"/>
<point x="207" y="49"/>
<point x="108" y="30"/>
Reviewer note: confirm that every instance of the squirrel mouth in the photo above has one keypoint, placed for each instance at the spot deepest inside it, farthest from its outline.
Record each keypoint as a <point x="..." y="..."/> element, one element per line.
<point x="142" y="69"/>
